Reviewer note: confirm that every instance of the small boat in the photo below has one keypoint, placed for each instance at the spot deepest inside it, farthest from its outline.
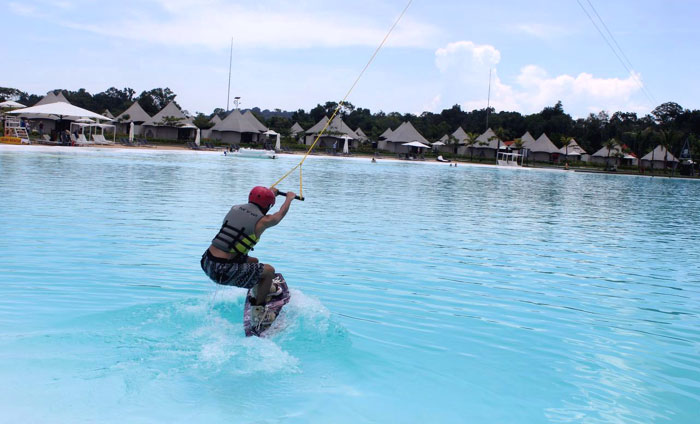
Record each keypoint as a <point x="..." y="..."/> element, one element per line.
<point x="509" y="159"/>
<point x="253" y="153"/>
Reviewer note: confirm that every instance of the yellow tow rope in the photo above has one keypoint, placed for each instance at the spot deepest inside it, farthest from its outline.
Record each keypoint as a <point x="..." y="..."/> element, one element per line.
<point x="340" y="105"/>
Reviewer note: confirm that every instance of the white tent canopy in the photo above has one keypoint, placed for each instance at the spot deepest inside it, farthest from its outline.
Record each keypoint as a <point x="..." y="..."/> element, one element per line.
<point x="542" y="145"/>
<point x="407" y="133"/>
<point x="135" y="113"/>
<point x="59" y="110"/>
<point x="527" y="140"/>
<point x="416" y="144"/>
<point x="253" y="120"/>
<point x="604" y="152"/>
<point x="236" y="122"/>
<point x="659" y="154"/>
<point x="50" y="97"/>
<point x="98" y="138"/>
<point x="11" y="104"/>
<point x="278" y="145"/>
<point x="573" y="149"/>
<point x="488" y="140"/>
<point x="296" y="129"/>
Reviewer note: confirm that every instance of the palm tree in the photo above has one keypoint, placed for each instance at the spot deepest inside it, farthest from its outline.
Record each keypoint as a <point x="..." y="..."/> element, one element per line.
<point x="471" y="141"/>
<point x="518" y="145"/>
<point x="610" y="145"/>
<point x="667" y="137"/>
<point x="452" y="141"/>
<point x="565" y="141"/>
<point x="501" y="135"/>
<point x="641" y="139"/>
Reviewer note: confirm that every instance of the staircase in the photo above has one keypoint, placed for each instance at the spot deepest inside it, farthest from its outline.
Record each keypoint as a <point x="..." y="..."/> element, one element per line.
<point x="21" y="133"/>
<point x="13" y="123"/>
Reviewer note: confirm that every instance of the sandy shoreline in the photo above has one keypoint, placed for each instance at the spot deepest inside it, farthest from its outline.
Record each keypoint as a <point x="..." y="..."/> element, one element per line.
<point x="186" y="150"/>
<point x="315" y="155"/>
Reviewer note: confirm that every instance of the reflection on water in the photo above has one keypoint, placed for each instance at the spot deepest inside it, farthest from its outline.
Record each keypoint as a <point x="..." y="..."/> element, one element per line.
<point x="509" y="295"/>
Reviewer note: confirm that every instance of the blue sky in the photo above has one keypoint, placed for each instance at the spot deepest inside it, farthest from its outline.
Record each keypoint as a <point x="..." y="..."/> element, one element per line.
<point x="295" y="54"/>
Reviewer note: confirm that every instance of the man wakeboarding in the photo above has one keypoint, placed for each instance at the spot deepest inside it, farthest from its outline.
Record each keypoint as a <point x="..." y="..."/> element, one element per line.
<point x="227" y="262"/>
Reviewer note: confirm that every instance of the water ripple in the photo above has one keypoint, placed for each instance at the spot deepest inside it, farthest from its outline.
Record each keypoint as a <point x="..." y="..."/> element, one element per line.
<point x="510" y="295"/>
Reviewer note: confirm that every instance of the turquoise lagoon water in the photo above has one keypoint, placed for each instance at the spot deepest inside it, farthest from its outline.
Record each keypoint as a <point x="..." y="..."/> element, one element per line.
<point x="421" y="293"/>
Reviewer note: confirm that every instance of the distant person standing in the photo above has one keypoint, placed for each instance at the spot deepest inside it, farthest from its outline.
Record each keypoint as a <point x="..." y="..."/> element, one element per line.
<point x="65" y="137"/>
<point x="41" y="128"/>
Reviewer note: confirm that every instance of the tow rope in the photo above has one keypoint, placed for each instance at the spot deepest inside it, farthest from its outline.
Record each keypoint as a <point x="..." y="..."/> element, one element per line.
<point x="340" y="105"/>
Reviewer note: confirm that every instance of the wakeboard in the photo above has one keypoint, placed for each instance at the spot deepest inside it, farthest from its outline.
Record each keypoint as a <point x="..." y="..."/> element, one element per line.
<point x="273" y="306"/>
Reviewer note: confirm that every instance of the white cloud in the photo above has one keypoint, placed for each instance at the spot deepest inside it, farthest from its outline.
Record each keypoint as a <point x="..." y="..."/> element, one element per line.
<point x="539" y="89"/>
<point x="464" y="67"/>
<point x="272" y="24"/>
<point x="431" y="106"/>
<point x="542" y="31"/>
<point x="21" y="9"/>
<point x="61" y="4"/>
<point x="465" y="56"/>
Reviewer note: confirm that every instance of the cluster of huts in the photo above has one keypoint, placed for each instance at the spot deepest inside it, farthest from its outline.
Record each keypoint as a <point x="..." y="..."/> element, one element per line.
<point x="542" y="149"/>
<point x="243" y="127"/>
<point x="406" y="139"/>
<point x="172" y="123"/>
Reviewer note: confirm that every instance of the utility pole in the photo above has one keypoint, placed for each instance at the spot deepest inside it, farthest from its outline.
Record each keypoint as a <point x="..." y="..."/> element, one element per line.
<point x="230" y="61"/>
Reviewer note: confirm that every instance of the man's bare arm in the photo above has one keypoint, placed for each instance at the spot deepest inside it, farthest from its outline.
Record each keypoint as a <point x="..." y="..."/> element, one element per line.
<point x="274" y="219"/>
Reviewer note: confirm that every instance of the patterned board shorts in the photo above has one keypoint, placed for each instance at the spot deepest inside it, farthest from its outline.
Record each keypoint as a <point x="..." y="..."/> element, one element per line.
<point x="228" y="273"/>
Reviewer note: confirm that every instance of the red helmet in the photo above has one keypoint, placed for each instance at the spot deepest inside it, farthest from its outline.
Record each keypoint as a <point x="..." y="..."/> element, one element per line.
<point x="262" y="196"/>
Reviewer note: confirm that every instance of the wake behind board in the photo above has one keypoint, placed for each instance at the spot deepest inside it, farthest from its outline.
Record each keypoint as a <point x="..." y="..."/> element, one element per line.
<point x="275" y="305"/>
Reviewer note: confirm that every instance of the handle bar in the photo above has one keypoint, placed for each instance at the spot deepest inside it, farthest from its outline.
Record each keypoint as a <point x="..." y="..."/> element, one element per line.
<point x="283" y="193"/>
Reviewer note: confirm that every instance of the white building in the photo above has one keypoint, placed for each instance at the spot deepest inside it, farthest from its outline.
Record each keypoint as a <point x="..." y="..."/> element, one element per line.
<point x="614" y="156"/>
<point x="405" y="133"/>
<point x="296" y="130"/>
<point x="135" y="114"/>
<point x="170" y="124"/>
<point x="486" y="145"/>
<point x="573" y="152"/>
<point x="541" y="150"/>
<point x="238" y="128"/>
<point x="334" y="135"/>
<point x="658" y="158"/>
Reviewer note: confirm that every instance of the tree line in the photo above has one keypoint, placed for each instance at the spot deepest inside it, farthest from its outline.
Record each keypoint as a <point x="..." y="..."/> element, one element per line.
<point x="112" y="99"/>
<point x="668" y="124"/>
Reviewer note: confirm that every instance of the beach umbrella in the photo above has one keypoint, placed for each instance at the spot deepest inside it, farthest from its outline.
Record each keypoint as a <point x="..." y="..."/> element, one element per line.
<point x="85" y="120"/>
<point x="131" y="132"/>
<point x="196" y="138"/>
<point x="11" y="104"/>
<point x="416" y="144"/>
<point x="59" y="109"/>
<point x="437" y="144"/>
<point x="345" y="145"/>
<point x="278" y="145"/>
